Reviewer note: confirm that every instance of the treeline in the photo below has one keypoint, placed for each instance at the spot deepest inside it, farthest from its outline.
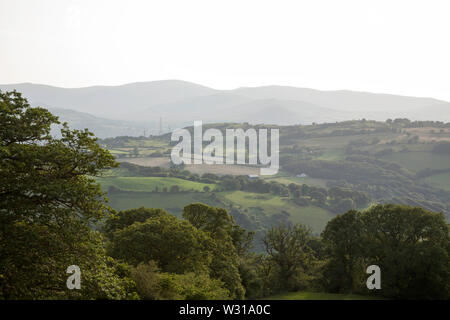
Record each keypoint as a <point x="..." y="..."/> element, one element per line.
<point x="291" y="134"/>
<point x="406" y="123"/>
<point x="206" y="255"/>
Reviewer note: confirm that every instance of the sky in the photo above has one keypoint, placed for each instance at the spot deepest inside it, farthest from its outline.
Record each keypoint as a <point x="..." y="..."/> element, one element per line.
<point x="395" y="46"/>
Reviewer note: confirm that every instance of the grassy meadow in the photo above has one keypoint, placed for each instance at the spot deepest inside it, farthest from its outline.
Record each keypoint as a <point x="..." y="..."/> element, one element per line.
<point x="149" y="184"/>
<point x="303" y="295"/>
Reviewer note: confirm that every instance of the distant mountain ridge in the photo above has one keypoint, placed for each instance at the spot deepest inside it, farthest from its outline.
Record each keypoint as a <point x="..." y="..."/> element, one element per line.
<point x="103" y="128"/>
<point x="179" y="103"/>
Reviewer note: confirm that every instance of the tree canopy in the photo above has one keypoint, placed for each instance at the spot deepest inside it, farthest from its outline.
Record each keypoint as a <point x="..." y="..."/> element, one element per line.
<point x="410" y="245"/>
<point x="47" y="204"/>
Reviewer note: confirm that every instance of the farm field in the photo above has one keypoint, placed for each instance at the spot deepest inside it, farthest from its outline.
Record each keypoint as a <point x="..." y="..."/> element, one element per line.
<point x="163" y="162"/>
<point x="149" y="184"/>
<point x="303" y="295"/>
<point x="171" y="202"/>
<point x="339" y="142"/>
<point x="430" y="133"/>
<point x="332" y="154"/>
<point x="416" y="161"/>
<point x="285" y="179"/>
<point x="314" y="217"/>
<point x="441" y="180"/>
<point x="222" y="169"/>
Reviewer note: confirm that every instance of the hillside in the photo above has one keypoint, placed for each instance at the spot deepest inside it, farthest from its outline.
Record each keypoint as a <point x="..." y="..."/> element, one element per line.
<point x="179" y="103"/>
<point x="326" y="170"/>
<point x="101" y="127"/>
<point x="113" y="102"/>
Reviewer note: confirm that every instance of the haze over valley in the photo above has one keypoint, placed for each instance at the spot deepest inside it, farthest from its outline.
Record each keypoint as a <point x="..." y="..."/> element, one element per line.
<point x="160" y="106"/>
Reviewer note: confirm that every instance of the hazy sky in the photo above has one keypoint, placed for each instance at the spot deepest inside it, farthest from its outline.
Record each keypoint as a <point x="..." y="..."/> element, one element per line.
<point x="390" y="46"/>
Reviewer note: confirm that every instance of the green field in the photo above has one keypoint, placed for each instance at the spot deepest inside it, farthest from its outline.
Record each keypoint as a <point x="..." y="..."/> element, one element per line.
<point x="441" y="180"/>
<point x="302" y="295"/>
<point x="114" y="151"/>
<point x="149" y="184"/>
<point x="335" y="144"/>
<point x="416" y="161"/>
<point x="314" y="217"/>
<point x="171" y="202"/>
<point x="332" y="154"/>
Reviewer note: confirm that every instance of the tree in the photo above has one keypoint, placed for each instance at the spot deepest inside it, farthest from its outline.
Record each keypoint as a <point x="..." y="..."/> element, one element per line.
<point x="344" y="205"/>
<point x="287" y="246"/>
<point x="410" y="244"/>
<point x="174" y="244"/>
<point x="412" y="247"/>
<point x="216" y="221"/>
<point x="342" y="235"/>
<point x="154" y="285"/>
<point x="47" y="204"/>
<point x="227" y="238"/>
<point x="122" y="219"/>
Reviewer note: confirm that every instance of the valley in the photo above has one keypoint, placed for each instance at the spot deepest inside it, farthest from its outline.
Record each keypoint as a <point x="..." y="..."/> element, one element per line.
<point x="385" y="161"/>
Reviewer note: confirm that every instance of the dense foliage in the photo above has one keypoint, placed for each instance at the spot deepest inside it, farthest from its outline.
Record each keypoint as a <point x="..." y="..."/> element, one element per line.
<point x="409" y="244"/>
<point x="47" y="204"/>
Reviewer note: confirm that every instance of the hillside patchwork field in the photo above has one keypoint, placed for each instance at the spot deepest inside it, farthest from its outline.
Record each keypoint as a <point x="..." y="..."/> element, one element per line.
<point x="392" y="161"/>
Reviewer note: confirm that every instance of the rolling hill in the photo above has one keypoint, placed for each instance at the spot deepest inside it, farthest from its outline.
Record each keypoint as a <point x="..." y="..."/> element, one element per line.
<point x="101" y="127"/>
<point x="179" y="103"/>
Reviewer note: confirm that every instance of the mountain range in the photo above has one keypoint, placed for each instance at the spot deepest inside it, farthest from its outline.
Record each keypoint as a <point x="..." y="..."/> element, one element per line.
<point x="159" y="106"/>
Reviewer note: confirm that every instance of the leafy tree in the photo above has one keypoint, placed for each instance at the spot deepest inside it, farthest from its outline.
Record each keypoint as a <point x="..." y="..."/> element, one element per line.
<point x="154" y="285"/>
<point x="410" y="245"/>
<point x="228" y="240"/>
<point x="176" y="245"/>
<point x="342" y="235"/>
<point x="147" y="280"/>
<point x="120" y="220"/>
<point x="47" y="203"/>
<point x="216" y="221"/>
<point x="287" y="246"/>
